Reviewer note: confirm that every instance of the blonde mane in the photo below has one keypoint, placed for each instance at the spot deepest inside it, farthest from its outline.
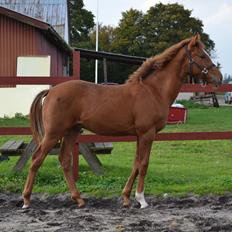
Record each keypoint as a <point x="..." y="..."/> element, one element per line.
<point x="157" y="62"/>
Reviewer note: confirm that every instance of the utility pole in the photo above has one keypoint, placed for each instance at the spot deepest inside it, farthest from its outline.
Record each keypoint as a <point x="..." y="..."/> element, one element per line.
<point x="96" y="61"/>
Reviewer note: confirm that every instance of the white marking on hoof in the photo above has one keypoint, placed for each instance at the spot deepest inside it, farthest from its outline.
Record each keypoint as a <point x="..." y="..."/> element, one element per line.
<point x="140" y="198"/>
<point x="25" y="207"/>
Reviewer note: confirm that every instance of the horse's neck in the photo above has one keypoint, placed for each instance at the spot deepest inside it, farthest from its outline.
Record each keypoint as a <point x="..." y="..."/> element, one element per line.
<point x="169" y="80"/>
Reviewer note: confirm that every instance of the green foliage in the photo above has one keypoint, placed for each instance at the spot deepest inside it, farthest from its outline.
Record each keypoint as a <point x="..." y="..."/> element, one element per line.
<point x="18" y="120"/>
<point x="160" y="27"/>
<point x="81" y="22"/>
<point x="129" y="38"/>
<point x="192" y="105"/>
<point x="106" y="37"/>
<point x="21" y="116"/>
<point x="167" y="24"/>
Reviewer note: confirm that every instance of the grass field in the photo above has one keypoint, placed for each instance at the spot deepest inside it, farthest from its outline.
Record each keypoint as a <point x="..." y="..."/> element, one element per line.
<point x="177" y="168"/>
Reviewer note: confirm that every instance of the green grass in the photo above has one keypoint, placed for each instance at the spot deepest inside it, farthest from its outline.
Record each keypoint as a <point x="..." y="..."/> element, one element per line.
<point x="177" y="168"/>
<point x="208" y="119"/>
<point x="18" y="120"/>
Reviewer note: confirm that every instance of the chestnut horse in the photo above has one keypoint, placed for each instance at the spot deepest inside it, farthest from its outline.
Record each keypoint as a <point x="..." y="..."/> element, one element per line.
<point x="139" y="107"/>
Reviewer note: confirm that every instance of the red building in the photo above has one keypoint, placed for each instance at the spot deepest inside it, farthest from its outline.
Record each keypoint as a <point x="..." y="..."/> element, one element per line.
<point x="28" y="47"/>
<point x="21" y="35"/>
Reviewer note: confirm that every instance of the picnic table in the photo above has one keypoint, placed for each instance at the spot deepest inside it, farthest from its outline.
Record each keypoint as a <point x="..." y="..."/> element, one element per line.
<point x="25" y="150"/>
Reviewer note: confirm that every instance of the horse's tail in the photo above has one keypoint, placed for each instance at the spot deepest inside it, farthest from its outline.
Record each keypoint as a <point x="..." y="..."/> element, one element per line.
<point x="36" y="117"/>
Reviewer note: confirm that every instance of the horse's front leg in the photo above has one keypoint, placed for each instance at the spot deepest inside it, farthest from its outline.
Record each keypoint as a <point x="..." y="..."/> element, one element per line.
<point x="145" y="144"/>
<point x="129" y="184"/>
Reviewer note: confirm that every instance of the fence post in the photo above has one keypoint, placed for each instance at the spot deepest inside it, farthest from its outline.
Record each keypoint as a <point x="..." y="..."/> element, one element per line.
<point x="76" y="65"/>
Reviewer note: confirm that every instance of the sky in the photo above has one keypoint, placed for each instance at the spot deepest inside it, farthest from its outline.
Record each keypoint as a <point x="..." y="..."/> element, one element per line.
<point x="216" y="16"/>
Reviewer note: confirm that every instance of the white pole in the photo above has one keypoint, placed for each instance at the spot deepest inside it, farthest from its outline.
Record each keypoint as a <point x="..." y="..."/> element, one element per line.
<point x="96" y="61"/>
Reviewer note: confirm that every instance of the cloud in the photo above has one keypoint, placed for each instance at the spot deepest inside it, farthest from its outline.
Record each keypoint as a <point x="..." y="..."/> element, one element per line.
<point x="148" y="3"/>
<point x="221" y="16"/>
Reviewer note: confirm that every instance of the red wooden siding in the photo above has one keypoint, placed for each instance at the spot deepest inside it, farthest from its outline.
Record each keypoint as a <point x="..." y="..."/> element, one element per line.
<point x="58" y="58"/>
<point x="19" y="39"/>
<point x="16" y="39"/>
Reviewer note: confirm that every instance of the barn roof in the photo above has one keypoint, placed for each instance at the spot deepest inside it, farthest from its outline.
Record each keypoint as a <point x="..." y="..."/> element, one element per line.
<point x="53" y="12"/>
<point x="46" y="28"/>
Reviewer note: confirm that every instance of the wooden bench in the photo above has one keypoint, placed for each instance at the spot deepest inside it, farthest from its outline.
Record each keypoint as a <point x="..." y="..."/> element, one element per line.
<point x="202" y="97"/>
<point x="24" y="150"/>
<point x="12" y="147"/>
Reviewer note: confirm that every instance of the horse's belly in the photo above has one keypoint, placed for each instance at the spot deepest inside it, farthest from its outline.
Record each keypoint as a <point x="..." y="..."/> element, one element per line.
<point x="108" y="127"/>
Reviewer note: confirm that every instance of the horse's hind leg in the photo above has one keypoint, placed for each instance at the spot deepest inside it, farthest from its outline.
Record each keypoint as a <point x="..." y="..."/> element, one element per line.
<point x="65" y="160"/>
<point x="37" y="159"/>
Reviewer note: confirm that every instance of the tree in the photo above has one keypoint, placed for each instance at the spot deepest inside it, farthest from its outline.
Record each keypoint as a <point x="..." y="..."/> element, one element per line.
<point x="128" y="35"/>
<point x="106" y="36"/>
<point x="165" y="25"/>
<point x="160" y="27"/>
<point x="81" y="23"/>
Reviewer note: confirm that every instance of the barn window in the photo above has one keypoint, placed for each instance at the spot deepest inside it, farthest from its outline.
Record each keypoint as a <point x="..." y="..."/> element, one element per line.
<point x="34" y="66"/>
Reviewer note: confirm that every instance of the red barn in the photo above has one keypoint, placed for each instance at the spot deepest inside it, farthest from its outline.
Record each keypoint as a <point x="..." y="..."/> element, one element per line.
<point x="24" y="42"/>
<point x="21" y="35"/>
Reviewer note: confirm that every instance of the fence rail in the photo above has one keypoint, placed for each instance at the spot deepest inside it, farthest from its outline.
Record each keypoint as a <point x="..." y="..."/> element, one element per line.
<point x="160" y="137"/>
<point x="56" y="80"/>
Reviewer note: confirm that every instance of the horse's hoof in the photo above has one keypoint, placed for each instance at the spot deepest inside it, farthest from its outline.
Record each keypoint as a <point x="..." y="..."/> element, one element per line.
<point x="26" y="203"/>
<point x="126" y="205"/>
<point x="80" y="203"/>
<point x="140" y="198"/>
<point x="25" y="206"/>
<point x="126" y="202"/>
<point x="144" y="205"/>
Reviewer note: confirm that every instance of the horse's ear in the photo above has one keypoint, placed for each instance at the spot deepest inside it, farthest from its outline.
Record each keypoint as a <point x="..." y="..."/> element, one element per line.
<point x="194" y="40"/>
<point x="198" y="36"/>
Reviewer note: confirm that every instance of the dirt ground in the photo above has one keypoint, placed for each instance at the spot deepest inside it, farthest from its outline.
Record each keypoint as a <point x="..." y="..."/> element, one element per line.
<point x="59" y="213"/>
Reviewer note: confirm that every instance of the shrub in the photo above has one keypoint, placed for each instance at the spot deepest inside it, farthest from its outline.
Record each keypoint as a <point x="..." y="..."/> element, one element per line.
<point x="192" y="105"/>
<point x="20" y="116"/>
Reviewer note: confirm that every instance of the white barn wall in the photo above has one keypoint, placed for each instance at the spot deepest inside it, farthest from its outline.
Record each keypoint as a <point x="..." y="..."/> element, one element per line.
<point x="184" y="96"/>
<point x="19" y="99"/>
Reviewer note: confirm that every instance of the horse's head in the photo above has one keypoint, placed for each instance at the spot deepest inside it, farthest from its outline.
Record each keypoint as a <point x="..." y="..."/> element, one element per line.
<point x="200" y="64"/>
